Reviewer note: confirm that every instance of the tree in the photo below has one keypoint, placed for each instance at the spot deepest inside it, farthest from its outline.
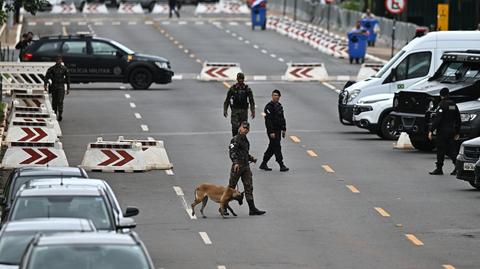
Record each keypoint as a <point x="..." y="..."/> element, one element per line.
<point x="31" y="6"/>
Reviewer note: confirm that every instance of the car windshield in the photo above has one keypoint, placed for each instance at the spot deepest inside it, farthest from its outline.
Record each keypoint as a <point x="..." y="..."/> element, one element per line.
<point x="12" y="246"/>
<point x="122" y="47"/>
<point x="88" y="256"/>
<point x="86" y="207"/>
<point x="388" y="65"/>
<point x="459" y="71"/>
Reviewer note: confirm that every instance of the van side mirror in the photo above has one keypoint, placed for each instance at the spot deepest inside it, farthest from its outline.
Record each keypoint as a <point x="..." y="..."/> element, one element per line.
<point x="131" y="211"/>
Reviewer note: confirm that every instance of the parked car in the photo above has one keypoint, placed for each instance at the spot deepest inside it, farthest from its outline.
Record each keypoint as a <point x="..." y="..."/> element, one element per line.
<point x="96" y="59"/>
<point x="416" y="61"/>
<point x="68" y="202"/>
<point x="15" y="235"/>
<point x="20" y="176"/>
<point x="414" y="109"/>
<point x="87" y="182"/>
<point x="88" y="250"/>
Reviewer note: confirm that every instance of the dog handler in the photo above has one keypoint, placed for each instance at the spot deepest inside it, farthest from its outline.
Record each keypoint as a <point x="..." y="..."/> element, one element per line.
<point x="239" y="154"/>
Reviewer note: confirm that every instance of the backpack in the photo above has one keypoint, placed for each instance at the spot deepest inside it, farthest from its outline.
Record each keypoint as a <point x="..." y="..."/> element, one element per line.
<point x="239" y="97"/>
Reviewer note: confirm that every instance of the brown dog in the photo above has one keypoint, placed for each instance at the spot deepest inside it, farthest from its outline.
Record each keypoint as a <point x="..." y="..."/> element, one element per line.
<point x="220" y="194"/>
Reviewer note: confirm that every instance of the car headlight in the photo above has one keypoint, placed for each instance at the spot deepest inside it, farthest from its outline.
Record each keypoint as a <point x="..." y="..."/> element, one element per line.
<point x="163" y="65"/>
<point x="357" y="110"/>
<point x="466" y="117"/>
<point x="353" y="94"/>
<point x="462" y="149"/>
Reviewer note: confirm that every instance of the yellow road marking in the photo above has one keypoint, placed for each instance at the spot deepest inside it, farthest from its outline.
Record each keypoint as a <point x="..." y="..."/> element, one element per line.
<point x="226" y="85"/>
<point x="295" y="139"/>
<point x="414" y="239"/>
<point x="448" y="266"/>
<point x="353" y="189"/>
<point x="382" y="212"/>
<point x="312" y="153"/>
<point x="328" y="169"/>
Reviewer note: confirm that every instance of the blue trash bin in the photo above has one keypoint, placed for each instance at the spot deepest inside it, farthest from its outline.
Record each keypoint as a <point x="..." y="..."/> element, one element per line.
<point x="259" y="17"/>
<point x="369" y="24"/>
<point x="357" y="45"/>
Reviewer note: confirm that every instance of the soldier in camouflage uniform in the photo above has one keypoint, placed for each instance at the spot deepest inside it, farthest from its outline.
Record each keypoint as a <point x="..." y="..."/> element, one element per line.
<point x="239" y="98"/>
<point x="241" y="158"/>
<point x="59" y="76"/>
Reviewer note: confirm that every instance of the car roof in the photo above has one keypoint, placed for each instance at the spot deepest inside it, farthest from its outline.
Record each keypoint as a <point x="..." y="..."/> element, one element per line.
<point x="73" y="37"/>
<point x="87" y="238"/>
<point x="60" y="191"/>
<point x="73" y="181"/>
<point x="50" y="224"/>
<point x="51" y="171"/>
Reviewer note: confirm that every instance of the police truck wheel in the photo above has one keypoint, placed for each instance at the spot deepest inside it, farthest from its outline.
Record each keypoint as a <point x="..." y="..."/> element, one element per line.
<point x="141" y="79"/>
<point x="423" y="145"/>
<point x="387" y="130"/>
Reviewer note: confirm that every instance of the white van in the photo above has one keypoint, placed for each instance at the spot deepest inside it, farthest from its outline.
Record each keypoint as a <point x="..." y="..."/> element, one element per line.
<point x="417" y="60"/>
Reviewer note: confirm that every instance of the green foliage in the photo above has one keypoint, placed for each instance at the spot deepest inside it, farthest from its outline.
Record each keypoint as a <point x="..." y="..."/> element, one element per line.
<point x="31" y="6"/>
<point x="352" y="5"/>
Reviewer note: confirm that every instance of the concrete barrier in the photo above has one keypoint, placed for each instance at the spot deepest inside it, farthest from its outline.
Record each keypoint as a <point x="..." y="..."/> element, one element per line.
<point x="155" y="154"/>
<point x="64" y="9"/>
<point x="306" y="72"/>
<point x="21" y="131"/>
<point x="23" y="75"/>
<point x="95" y="8"/>
<point x="130" y="8"/>
<point x="219" y="71"/>
<point x="20" y="154"/>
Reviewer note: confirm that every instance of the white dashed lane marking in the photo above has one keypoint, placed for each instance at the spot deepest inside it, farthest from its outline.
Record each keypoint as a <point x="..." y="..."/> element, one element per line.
<point x="144" y="127"/>
<point x="281" y="60"/>
<point x="138" y="116"/>
<point x="273" y="55"/>
<point x="264" y="51"/>
<point x="127" y="96"/>
<point x="256" y="46"/>
<point x="132" y="105"/>
<point x="187" y="208"/>
<point x="205" y="238"/>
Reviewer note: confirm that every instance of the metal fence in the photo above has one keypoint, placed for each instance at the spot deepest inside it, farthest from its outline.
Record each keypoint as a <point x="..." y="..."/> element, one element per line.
<point x="7" y="54"/>
<point x="342" y="20"/>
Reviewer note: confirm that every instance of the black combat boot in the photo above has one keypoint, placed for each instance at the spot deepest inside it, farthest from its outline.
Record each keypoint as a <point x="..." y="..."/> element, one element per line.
<point x="437" y="171"/>
<point x="283" y="168"/>
<point x="59" y="118"/>
<point x="265" y="167"/>
<point x="454" y="172"/>
<point x="253" y="210"/>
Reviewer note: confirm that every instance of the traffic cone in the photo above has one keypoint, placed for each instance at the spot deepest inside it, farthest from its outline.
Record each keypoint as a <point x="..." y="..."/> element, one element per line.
<point x="403" y="142"/>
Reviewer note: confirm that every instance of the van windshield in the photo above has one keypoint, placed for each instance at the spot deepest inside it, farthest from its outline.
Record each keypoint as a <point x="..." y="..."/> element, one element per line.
<point x="389" y="64"/>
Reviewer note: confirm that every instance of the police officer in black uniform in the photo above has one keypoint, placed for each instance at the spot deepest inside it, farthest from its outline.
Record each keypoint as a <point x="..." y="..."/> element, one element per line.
<point x="59" y="76"/>
<point x="446" y="124"/>
<point x="276" y="128"/>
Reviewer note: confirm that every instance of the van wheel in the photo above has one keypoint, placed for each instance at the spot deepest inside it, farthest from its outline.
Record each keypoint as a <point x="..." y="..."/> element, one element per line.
<point x="474" y="184"/>
<point x="423" y="145"/>
<point x="141" y="78"/>
<point x="387" y="128"/>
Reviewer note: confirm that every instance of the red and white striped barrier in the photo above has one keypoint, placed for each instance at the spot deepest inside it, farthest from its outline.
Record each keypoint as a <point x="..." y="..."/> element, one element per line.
<point x="32" y="100"/>
<point x="160" y="9"/>
<point x="21" y="131"/>
<point x="306" y="72"/>
<point x="234" y="8"/>
<point x="48" y="117"/>
<point x="208" y="8"/>
<point x="219" y="71"/>
<point x="64" y="9"/>
<point x="23" y="75"/>
<point x="154" y="153"/>
<point x="130" y="8"/>
<point x="94" y="8"/>
<point x="20" y="154"/>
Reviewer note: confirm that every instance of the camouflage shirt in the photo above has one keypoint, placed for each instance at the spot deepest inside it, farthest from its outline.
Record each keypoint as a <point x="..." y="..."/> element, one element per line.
<point x="239" y="148"/>
<point x="59" y="75"/>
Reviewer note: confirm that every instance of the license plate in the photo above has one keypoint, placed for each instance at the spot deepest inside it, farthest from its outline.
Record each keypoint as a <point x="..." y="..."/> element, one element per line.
<point x="469" y="166"/>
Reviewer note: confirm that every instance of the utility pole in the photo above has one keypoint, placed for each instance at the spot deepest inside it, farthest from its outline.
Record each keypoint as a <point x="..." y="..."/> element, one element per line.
<point x="295" y="10"/>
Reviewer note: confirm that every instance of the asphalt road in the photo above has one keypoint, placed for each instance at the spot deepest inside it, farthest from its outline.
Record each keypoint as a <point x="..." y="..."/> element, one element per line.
<point x="349" y="200"/>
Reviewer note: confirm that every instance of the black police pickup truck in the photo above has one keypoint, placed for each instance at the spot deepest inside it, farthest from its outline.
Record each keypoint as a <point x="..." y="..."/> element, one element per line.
<point x="95" y="59"/>
<point x="414" y="108"/>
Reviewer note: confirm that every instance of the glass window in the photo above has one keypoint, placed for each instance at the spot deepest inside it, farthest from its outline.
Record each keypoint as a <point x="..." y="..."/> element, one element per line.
<point x="74" y="47"/>
<point x="414" y="65"/>
<point x="102" y="48"/>
<point x="49" y="47"/>
<point x="388" y="65"/>
<point x="88" y="256"/>
<point x="87" y="207"/>
<point x="12" y="246"/>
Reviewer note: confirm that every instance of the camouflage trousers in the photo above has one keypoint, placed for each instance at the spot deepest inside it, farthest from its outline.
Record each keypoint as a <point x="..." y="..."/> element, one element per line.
<point x="238" y="116"/>
<point x="246" y="175"/>
<point x="58" y="94"/>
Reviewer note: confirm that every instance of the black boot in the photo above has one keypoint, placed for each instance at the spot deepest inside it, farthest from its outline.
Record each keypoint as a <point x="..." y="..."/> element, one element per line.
<point x="437" y="171"/>
<point x="59" y="118"/>
<point x="253" y="209"/>
<point x="265" y="167"/>
<point x="283" y="168"/>
<point x="454" y="172"/>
